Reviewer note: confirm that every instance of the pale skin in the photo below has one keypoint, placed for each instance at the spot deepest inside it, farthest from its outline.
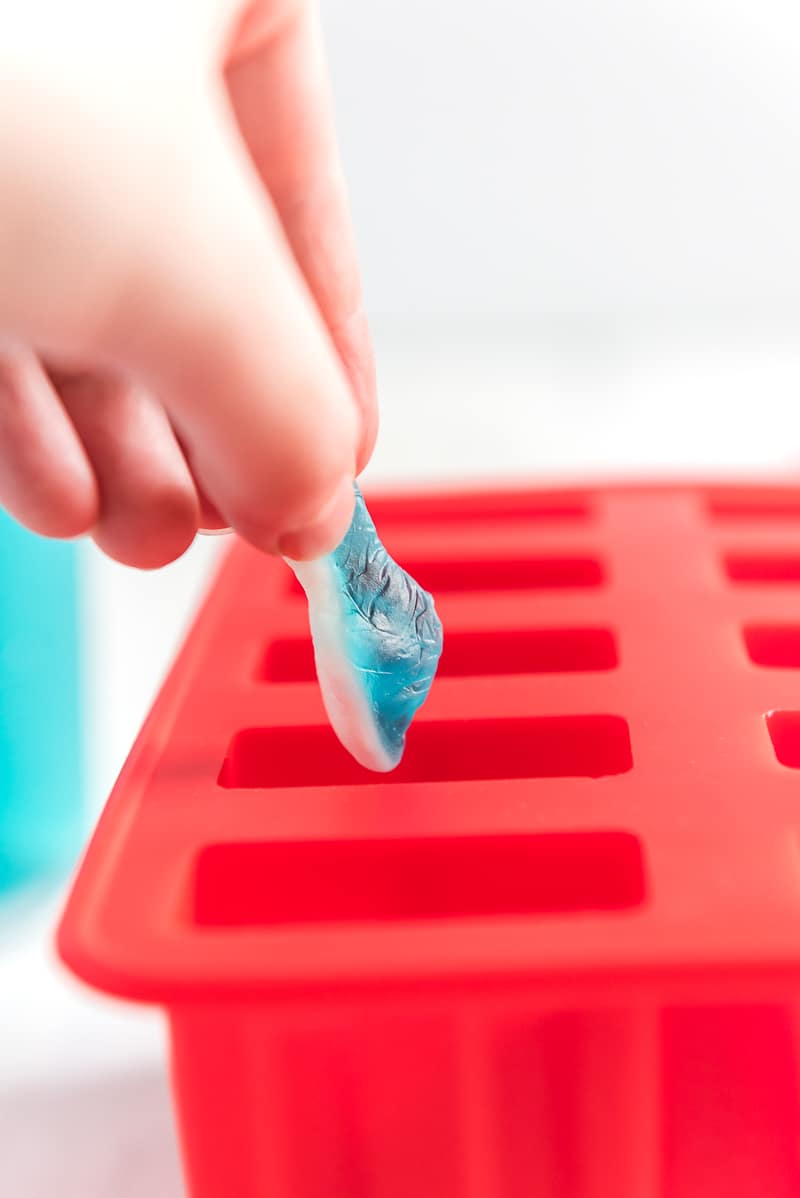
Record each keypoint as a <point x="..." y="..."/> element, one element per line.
<point x="182" y="338"/>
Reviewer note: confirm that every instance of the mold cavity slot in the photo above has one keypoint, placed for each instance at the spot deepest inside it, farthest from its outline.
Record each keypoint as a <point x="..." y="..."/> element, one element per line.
<point x="506" y="574"/>
<point x="473" y="654"/>
<point x="588" y="746"/>
<point x="772" y="567"/>
<point x="290" y="659"/>
<point x="755" y="507"/>
<point x="784" y="732"/>
<point x="476" y="509"/>
<point x="441" y="576"/>
<point x="313" y="882"/>
<point x="776" y="645"/>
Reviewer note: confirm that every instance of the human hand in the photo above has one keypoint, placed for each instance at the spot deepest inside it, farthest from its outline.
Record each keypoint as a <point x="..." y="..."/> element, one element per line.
<point x="183" y="339"/>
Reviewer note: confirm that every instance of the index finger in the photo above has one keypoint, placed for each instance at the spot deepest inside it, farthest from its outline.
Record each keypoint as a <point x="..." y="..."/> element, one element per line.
<point x="278" y="84"/>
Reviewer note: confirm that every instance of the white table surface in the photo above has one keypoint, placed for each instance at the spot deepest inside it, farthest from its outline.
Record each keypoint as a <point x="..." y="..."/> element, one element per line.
<point x="84" y="1110"/>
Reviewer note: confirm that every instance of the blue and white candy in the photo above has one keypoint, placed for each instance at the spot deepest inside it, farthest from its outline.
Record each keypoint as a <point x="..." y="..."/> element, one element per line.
<point x="377" y="642"/>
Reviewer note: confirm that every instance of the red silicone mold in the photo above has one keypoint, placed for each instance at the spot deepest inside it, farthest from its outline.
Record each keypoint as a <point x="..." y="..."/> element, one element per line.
<point x="557" y="953"/>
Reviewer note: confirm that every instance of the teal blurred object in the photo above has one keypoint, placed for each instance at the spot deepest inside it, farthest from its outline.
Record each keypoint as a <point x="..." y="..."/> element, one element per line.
<point x="42" y="815"/>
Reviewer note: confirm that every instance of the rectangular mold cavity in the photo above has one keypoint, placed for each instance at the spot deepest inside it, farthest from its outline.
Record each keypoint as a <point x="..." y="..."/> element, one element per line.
<point x="477" y="508"/>
<point x="574" y="746"/>
<point x="763" y="567"/>
<point x="356" y="881"/>
<point x="784" y="732"/>
<point x="474" y="654"/>
<point x="775" y="645"/>
<point x="464" y="575"/>
<point x="761" y="506"/>
<point x="506" y="574"/>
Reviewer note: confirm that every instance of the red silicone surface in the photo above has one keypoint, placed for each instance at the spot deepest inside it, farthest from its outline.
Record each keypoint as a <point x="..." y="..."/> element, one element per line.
<point x="557" y="953"/>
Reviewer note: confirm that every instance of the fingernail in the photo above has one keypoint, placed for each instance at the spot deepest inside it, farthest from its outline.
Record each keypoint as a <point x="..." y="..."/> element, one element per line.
<point x="325" y="531"/>
<point x="214" y="532"/>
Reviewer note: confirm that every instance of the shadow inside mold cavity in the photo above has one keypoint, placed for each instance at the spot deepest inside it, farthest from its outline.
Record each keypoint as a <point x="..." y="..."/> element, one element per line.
<point x="110" y="1135"/>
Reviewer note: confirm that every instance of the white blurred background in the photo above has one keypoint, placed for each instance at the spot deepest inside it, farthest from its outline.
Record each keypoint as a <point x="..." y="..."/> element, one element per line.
<point x="510" y="161"/>
<point x="581" y="251"/>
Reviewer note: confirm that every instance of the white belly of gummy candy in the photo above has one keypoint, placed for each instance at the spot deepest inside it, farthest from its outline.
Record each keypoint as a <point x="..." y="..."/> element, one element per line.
<point x="343" y="694"/>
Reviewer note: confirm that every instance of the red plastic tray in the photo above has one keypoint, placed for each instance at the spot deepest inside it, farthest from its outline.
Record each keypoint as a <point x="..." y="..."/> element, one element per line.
<point x="557" y="953"/>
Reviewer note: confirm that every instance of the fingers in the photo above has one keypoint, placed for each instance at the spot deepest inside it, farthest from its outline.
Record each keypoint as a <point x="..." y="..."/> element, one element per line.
<point x="242" y="315"/>
<point x="46" y="478"/>
<point x="218" y="322"/>
<point x="148" y="508"/>
<point x="210" y="519"/>
<point x="85" y="454"/>
<point x="279" y="91"/>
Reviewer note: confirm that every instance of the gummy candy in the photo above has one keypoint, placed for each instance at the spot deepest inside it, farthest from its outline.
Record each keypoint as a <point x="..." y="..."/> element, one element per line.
<point x="377" y="642"/>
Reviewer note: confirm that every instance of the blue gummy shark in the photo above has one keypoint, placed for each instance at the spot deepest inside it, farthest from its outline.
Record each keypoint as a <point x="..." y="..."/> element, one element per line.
<point x="377" y="642"/>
